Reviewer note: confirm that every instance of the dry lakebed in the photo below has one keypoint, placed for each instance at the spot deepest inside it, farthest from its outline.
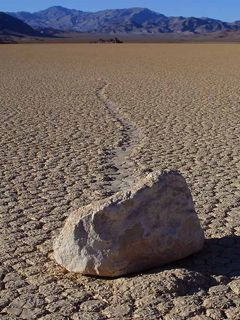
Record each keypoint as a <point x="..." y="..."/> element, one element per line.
<point x="79" y="122"/>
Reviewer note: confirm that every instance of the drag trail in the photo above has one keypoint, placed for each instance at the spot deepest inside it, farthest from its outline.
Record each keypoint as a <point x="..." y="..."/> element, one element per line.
<point x="122" y="168"/>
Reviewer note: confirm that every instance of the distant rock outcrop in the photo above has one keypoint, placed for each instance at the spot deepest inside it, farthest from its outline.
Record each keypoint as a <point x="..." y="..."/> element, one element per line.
<point x="111" y="40"/>
<point x="151" y="224"/>
<point x="132" y="20"/>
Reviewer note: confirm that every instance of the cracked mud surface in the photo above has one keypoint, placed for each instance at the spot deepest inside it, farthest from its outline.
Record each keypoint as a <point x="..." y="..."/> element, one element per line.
<point x="68" y="138"/>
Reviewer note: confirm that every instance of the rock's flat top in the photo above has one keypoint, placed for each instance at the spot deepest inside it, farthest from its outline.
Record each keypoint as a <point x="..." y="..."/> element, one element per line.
<point x="55" y="138"/>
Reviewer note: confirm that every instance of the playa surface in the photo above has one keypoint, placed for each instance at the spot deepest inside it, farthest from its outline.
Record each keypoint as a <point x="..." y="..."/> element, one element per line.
<point x="78" y="123"/>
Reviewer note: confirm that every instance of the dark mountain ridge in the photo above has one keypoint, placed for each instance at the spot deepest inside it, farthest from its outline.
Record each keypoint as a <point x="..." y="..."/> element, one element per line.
<point x="12" y="26"/>
<point x="132" y="20"/>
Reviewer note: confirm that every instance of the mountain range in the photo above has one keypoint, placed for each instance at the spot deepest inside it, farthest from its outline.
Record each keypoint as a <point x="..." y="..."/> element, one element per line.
<point x="131" y="21"/>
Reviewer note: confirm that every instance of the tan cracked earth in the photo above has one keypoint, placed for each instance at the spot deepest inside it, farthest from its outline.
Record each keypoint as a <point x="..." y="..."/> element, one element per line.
<point x="80" y="121"/>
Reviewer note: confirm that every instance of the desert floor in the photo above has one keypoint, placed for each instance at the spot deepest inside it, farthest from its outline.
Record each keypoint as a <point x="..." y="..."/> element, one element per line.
<point x="77" y="122"/>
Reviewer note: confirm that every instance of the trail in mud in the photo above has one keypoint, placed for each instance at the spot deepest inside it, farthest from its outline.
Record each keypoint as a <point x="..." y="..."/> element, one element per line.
<point x="122" y="168"/>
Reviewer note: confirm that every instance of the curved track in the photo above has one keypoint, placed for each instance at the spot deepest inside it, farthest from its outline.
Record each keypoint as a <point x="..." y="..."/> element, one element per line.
<point x="122" y="168"/>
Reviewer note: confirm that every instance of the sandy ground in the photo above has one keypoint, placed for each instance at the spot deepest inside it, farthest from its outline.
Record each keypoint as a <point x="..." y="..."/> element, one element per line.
<point x="78" y="122"/>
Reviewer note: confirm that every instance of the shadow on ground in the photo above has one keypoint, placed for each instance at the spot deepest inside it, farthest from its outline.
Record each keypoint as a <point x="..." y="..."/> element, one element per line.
<point x="219" y="256"/>
<point x="217" y="263"/>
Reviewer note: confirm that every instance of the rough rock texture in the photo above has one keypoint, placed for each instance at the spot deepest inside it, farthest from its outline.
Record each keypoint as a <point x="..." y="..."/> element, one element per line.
<point x="151" y="224"/>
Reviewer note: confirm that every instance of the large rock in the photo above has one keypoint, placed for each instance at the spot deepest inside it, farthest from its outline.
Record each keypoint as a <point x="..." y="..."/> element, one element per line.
<point x="149" y="225"/>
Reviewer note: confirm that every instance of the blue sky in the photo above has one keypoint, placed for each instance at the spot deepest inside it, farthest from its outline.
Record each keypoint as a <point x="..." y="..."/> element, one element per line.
<point x="228" y="10"/>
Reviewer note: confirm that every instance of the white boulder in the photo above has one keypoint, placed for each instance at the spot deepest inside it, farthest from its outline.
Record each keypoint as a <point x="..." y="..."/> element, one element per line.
<point x="149" y="225"/>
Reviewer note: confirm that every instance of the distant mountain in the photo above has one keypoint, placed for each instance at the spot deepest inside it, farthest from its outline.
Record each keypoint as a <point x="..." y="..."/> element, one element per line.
<point x="11" y="26"/>
<point x="55" y="17"/>
<point x="197" y="25"/>
<point x="133" y="20"/>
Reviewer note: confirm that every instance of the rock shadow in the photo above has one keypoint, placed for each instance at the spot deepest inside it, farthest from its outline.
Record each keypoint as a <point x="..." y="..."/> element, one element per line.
<point x="218" y="262"/>
<point x="219" y="257"/>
